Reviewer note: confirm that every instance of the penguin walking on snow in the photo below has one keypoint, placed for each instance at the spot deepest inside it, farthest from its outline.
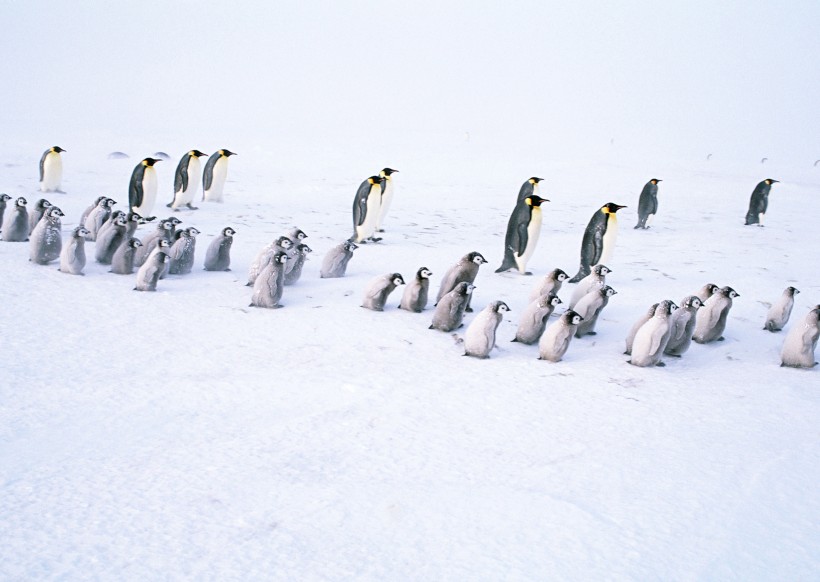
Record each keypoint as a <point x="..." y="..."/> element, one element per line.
<point x="15" y="223"/>
<point x="599" y="239"/>
<point x="779" y="313"/>
<point x="801" y="341"/>
<point x="46" y="238"/>
<point x="387" y="196"/>
<point x="479" y="339"/>
<point x="523" y="230"/>
<point x="186" y="180"/>
<point x="759" y="202"/>
<point x="465" y="269"/>
<point x="4" y="198"/>
<point x="214" y="176"/>
<point x="648" y="203"/>
<point x="366" y="210"/>
<point x="51" y="170"/>
<point x="218" y="255"/>
<point x="142" y="190"/>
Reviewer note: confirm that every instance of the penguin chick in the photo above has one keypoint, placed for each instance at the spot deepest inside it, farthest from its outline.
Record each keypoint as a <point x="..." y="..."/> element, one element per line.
<point x="151" y="240"/>
<point x="88" y="210"/>
<point x="415" y="293"/>
<point x="72" y="257"/>
<point x="648" y="203"/>
<point x="110" y="240"/>
<point x="366" y="210"/>
<point x="218" y="255"/>
<point x="683" y="325"/>
<point x="268" y="286"/>
<point x="215" y="175"/>
<point x="534" y="319"/>
<point x="801" y="341"/>
<point x="334" y="263"/>
<point x="479" y="339"/>
<point x="265" y="256"/>
<point x="590" y="307"/>
<point x="711" y="318"/>
<point x="706" y="292"/>
<point x="780" y="311"/>
<point x="292" y="275"/>
<point x="47" y="238"/>
<point x="375" y="296"/>
<point x="122" y="263"/>
<point x="652" y="337"/>
<point x="97" y="217"/>
<point x="4" y="198"/>
<point x="109" y="223"/>
<point x="15" y="223"/>
<point x="523" y="230"/>
<point x="599" y="239"/>
<point x="181" y="255"/>
<point x="51" y="170"/>
<point x="37" y="212"/>
<point x="297" y="236"/>
<point x="150" y="272"/>
<point x="555" y="341"/>
<point x="465" y="270"/>
<point x="630" y="339"/>
<point x="759" y="202"/>
<point x="595" y="280"/>
<point x="449" y="312"/>
<point x="549" y="283"/>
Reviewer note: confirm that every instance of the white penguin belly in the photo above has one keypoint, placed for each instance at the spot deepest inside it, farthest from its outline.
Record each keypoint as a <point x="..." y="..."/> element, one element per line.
<point x="609" y="239"/>
<point x="52" y="173"/>
<point x="149" y="191"/>
<point x="386" y="200"/>
<point x="533" y="232"/>
<point x="220" y="173"/>
<point x="368" y="227"/>
<point x="186" y="196"/>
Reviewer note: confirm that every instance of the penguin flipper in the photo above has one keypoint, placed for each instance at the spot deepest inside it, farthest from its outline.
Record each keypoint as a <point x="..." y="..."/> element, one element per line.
<point x="583" y="271"/>
<point x="521" y="231"/>
<point x="42" y="164"/>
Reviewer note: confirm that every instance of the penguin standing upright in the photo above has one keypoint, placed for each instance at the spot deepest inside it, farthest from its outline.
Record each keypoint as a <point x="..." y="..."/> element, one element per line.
<point x="334" y="263"/>
<point x="549" y="283"/>
<point x="51" y="170"/>
<point x="15" y="223"/>
<point x="4" y="198"/>
<point x="529" y="188"/>
<point x="555" y="341"/>
<point x="186" y="180"/>
<point x="214" y="176"/>
<point x="269" y="285"/>
<point x="710" y="321"/>
<point x="375" y="296"/>
<point x="122" y="263"/>
<point x="683" y="326"/>
<point x="759" y="202"/>
<point x="599" y="239"/>
<point x="47" y="238"/>
<point x="449" y="312"/>
<point x="37" y="212"/>
<point x="72" y="257"/>
<point x="181" y="254"/>
<point x="292" y="275"/>
<point x="218" y="255"/>
<point x="97" y="217"/>
<point x="648" y="203"/>
<point x="653" y="337"/>
<point x="801" y="341"/>
<point x="415" y="294"/>
<point x="465" y="269"/>
<point x="523" y="230"/>
<point x="534" y="319"/>
<point x="142" y="190"/>
<point x="779" y="313"/>
<point x="479" y="339"/>
<point x="387" y="196"/>
<point x="366" y="210"/>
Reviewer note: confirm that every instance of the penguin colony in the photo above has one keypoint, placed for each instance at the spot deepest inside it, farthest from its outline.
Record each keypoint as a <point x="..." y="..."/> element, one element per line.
<point x="664" y="329"/>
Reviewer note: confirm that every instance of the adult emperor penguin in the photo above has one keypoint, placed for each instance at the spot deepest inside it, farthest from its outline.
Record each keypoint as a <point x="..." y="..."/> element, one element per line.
<point x="801" y="341"/>
<point x="51" y="170"/>
<point x="557" y="337"/>
<point x="465" y="270"/>
<point x="269" y="285"/>
<point x="72" y="257"/>
<point x="387" y="196"/>
<point x="595" y="280"/>
<point x="549" y="283"/>
<point x="37" y="212"/>
<point x="529" y="188"/>
<point x="648" y="203"/>
<point x="4" y="198"/>
<point x="378" y="290"/>
<point x="534" y="319"/>
<point x="523" y="230"/>
<point x="186" y="180"/>
<point x="214" y="176"/>
<point x="142" y="189"/>
<point x="334" y="263"/>
<point x="47" y="238"/>
<point x="652" y="338"/>
<point x="15" y="223"/>
<point x="366" y="210"/>
<point x="590" y="307"/>
<point x="415" y="293"/>
<point x="479" y="339"/>
<point x="599" y="239"/>
<point x="711" y="318"/>
<point x="630" y="338"/>
<point x="683" y="326"/>
<point x="218" y="255"/>
<point x="151" y="271"/>
<point x="122" y="263"/>
<point x="759" y="202"/>
<point x="780" y="311"/>
<point x="450" y="309"/>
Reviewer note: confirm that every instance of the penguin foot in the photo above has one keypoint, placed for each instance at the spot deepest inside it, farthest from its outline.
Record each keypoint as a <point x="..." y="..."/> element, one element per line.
<point x="192" y="207"/>
<point x="375" y="238"/>
<point x="169" y="205"/>
<point x="721" y="338"/>
<point x="469" y="310"/>
<point x="660" y="365"/>
<point x="592" y="333"/>
<point x="380" y="230"/>
<point x="527" y="273"/>
<point x="673" y="355"/>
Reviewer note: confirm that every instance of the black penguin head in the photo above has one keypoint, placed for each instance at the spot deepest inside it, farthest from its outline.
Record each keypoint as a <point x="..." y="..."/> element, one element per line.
<point x="163" y="243"/>
<point x="121" y="219"/>
<point x="792" y="291"/>
<point x="608" y="291"/>
<point x="284" y="242"/>
<point x="572" y="318"/>
<point x="57" y="149"/>
<point x="710" y="288"/>
<point x="165" y="225"/>
<point x="388" y="171"/>
<point x="553" y="299"/>
<point x="226" y="153"/>
<point x="148" y="162"/>
<point x="692" y="302"/>
<point x="196" y="153"/>
<point x="397" y="279"/>
<point x="280" y="257"/>
<point x="500" y="307"/>
<point x="729" y="292"/>
<point x="350" y="246"/>
<point x="534" y="200"/>
<point x="601" y="270"/>
<point x="559" y="275"/>
<point x="21" y="201"/>
<point x="475" y="257"/>
<point x="54" y="212"/>
<point x="665" y="307"/>
<point x="375" y="180"/>
<point x="304" y="249"/>
<point x="611" y="208"/>
<point x="134" y="217"/>
<point x="770" y="181"/>
<point x="191" y="231"/>
<point x="228" y="231"/>
<point x="423" y="273"/>
<point x="297" y="233"/>
<point x="655" y="180"/>
<point x="535" y="180"/>
<point x="4" y="197"/>
<point x="110" y="202"/>
<point x="134" y="243"/>
<point x="80" y="232"/>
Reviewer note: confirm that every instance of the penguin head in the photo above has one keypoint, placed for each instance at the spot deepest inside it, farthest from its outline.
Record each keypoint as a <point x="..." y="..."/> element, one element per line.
<point x="710" y="289"/>
<point x="4" y="198"/>
<point x="611" y="208"/>
<point x="80" y="232"/>
<point x="109" y="202"/>
<point x="729" y="292"/>
<point x="559" y="275"/>
<point x="281" y="257"/>
<point x="228" y="231"/>
<point x="56" y="149"/>
<point x="134" y="243"/>
<point x="608" y="291"/>
<point x="535" y="180"/>
<point x="42" y="204"/>
<point x="534" y="200"/>
<point x="196" y="153"/>
<point x="349" y="245"/>
<point x="469" y="288"/>
<point x="692" y="302"/>
<point x="165" y="225"/>
<point x="173" y="220"/>
<point x="297" y="233"/>
<point x="572" y="318"/>
<point x="304" y="249"/>
<point x="388" y="172"/>
<point x="792" y="291"/>
<point x="553" y="299"/>
<point x="601" y="270"/>
<point x="397" y="279"/>
<point x="374" y="180"/>
<point x="770" y="181"/>
<point x="226" y="153"/>
<point x="500" y="307"/>
<point x="665" y="307"/>
<point x="121" y="219"/>
<point x="191" y="231"/>
<point x="21" y="202"/>
<point x="148" y="162"/>
<point x="423" y="273"/>
<point x="54" y="212"/>
<point x="284" y="242"/>
<point x="475" y="257"/>
<point x="163" y="243"/>
<point x="655" y="181"/>
<point x="134" y="217"/>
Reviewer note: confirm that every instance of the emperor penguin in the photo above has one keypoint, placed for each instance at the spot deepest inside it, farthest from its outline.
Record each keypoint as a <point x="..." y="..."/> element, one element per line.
<point x="218" y="255"/>
<point x="72" y="257"/>
<point x="555" y="341"/>
<point x="415" y="293"/>
<point x="529" y="188"/>
<point x="801" y="341"/>
<point x="186" y="180"/>
<point x="366" y="210"/>
<point x="110" y="240"/>
<point x="97" y="217"/>
<point x="630" y="338"/>
<point x="51" y="170"/>
<point x="465" y="270"/>
<point x="683" y="326"/>
<point x="4" y="198"/>
<point x="648" y="203"/>
<point x="599" y="239"/>
<point x="652" y="337"/>
<point x="449" y="312"/>
<point x="523" y="230"/>
<point x="387" y="195"/>
<point x="214" y="176"/>
<point x="334" y="263"/>
<point x="265" y="256"/>
<point x="15" y="223"/>
<point x="595" y="280"/>
<point x="47" y="237"/>
<point x="150" y="272"/>
<point x="142" y="189"/>
<point x="706" y="292"/>
<point x="122" y="263"/>
<point x="150" y="241"/>
<point x="549" y="283"/>
<point x="292" y="275"/>
<point x="590" y="307"/>
<point x="479" y="339"/>
<point x="379" y="289"/>
<point x="779" y="313"/>
<point x="181" y="255"/>
<point x="534" y="319"/>
<point x="37" y="212"/>
<point x="711" y="318"/>
<point x="759" y="202"/>
<point x="268" y="286"/>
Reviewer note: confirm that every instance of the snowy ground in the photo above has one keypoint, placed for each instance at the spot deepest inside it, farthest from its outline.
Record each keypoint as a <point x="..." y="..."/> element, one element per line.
<point x="180" y="434"/>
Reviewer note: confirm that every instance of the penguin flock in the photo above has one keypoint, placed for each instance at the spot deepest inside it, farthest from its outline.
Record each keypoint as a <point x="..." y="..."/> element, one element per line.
<point x="664" y="329"/>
